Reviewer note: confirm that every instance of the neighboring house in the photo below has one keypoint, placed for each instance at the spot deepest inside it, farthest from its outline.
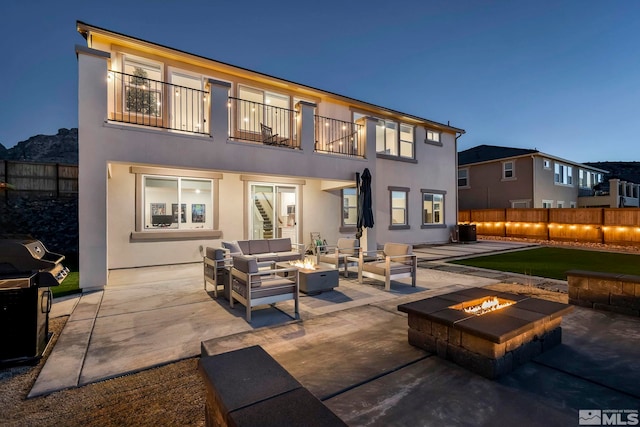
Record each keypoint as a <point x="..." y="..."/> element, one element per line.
<point x="615" y="193"/>
<point x="504" y="177"/>
<point x="178" y="151"/>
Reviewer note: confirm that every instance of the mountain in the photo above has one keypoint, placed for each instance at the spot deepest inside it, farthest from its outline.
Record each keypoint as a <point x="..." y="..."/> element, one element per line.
<point x="59" y="148"/>
<point x="626" y="171"/>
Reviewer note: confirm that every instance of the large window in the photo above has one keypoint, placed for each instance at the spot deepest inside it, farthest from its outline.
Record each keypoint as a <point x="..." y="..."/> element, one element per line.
<point x="349" y="207"/>
<point x="394" y="140"/>
<point x="432" y="208"/>
<point x="563" y="174"/>
<point x="187" y="103"/>
<point x="177" y="203"/>
<point x="262" y="107"/>
<point x="399" y="208"/>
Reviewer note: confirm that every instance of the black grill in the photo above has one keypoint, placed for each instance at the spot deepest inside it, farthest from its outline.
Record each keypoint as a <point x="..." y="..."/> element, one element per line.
<point x="27" y="270"/>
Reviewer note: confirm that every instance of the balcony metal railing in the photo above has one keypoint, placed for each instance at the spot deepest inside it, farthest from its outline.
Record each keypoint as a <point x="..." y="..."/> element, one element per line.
<point x="136" y="99"/>
<point x="262" y="123"/>
<point x="339" y="137"/>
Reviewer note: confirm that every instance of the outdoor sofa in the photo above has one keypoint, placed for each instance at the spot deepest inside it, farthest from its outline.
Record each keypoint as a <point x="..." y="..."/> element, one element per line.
<point x="266" y="249"/>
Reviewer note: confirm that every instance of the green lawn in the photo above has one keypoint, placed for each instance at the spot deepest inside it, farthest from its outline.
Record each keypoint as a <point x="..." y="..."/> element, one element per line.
<point x="554" y="262"/>
<point x="70" y="285"/>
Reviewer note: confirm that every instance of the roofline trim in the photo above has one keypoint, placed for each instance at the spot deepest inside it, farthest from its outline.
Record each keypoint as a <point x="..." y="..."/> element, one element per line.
<point x="537" y="153"/>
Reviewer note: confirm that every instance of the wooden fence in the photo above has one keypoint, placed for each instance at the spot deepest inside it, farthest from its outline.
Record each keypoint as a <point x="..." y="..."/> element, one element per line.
<point x="41" y="179"/>
<point x="619" y="226"/>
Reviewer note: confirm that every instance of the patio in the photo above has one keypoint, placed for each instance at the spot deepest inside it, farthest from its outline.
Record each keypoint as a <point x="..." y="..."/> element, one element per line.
<point x="350" y="347"/>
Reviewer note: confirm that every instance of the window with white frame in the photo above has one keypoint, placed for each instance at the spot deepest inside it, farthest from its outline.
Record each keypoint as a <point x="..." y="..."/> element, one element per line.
<point x="171" y="202"/>
<point x="573" y="205"/>
<point x="560" y="204"/>
<point x="508" y="170"/>
<point x="546" y="163"/>
<point x="257" y="106"/>
<point x="433" y="136"/>
<point x="563" y="174"/>
<point x="349" y="207"/>
<point x="582" y="178"/>
<point x="406" y="141"/>
<point x="547" y="203"/>
<point x="395" y="139"/>
<point x="399" y="207"/>
<point x="463" y="177"/>
<point x="432" y="207"/>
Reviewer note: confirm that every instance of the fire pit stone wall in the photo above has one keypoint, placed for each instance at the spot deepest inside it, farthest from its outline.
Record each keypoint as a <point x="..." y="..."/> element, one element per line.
<point x="491" y="344"/>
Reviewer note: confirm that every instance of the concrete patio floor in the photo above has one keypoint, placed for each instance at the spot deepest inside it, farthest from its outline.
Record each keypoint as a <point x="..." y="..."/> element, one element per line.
<point x="350" y="347"/>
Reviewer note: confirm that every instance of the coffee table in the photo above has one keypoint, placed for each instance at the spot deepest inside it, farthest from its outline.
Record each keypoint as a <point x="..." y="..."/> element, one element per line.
<point x="313" y="282"/>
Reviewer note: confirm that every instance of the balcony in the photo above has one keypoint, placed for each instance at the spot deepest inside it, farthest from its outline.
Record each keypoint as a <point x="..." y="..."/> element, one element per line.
<point x="136" y="99"/>
<point x="260" y="123"/>
<point x="339" y="137"/>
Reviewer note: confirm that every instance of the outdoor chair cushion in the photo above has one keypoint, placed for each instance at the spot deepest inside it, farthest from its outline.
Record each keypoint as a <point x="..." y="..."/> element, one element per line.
<point x="289" y="256"/>
<point x="379" y="268"/>
<point x="244" y="247"/>
<point x="269" y="287"/>
<point x="279" y="245"/>
<point x="247" y="264"/>
<point x="215" y="253"/>
<point x="233" y="247"/>
<point x="267" y="256"/>
<point x="395" y="249"/>
<point x="259" y="247"/>
<point x="347" y="246"/>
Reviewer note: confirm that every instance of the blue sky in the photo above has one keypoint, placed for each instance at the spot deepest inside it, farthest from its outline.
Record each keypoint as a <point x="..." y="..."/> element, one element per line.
<point x="559" y="76"/>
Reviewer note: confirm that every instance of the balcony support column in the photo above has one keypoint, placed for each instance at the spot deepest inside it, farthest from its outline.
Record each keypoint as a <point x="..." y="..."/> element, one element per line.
<point x="219" y="110"/>
<point x="306" y="126"/>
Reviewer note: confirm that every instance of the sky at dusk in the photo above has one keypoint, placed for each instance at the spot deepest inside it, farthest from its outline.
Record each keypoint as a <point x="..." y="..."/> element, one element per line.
<point x="559" y="76"/>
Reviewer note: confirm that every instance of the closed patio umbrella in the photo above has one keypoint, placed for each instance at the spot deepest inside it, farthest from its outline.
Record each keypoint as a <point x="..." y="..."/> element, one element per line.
<point x="365" y="210"/>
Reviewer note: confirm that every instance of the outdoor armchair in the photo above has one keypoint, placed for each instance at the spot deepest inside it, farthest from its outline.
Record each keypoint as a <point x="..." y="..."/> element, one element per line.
<point x="395" y="261"/>
<point x="214" y="262"/>
<point x="339" y="255"/>
<point x="253" y="287"/>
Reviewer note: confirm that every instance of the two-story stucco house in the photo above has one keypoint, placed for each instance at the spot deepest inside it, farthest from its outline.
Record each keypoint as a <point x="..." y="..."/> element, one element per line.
<point x="492" y="177"/>
<point x="178" y="151"/>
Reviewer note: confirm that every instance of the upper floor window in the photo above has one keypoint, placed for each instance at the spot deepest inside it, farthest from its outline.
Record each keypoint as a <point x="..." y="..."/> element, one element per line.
<point x="432" y="207"/>
<point x="508" y="170"/>
<point x="406" y="141"/>
<point x="546" y="163"/>
<point x="433" y="136"/>
<point x="258" y="107"/>
<point x="563" y="174"/>
<point x="547" y="203"/>
<point x="349" y="207"/>
<point x="393" y="139"/>
<point x="399" y="208"/>
<point x="463" y="177"/>
<point x="142" y="92"/>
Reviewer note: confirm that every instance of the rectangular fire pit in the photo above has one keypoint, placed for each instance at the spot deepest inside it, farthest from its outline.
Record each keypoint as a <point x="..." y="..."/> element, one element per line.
<point x="487" y="332"/>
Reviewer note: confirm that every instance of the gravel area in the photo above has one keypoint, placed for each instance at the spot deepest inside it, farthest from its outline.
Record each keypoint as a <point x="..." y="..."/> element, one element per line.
<point x="170" y="395"/>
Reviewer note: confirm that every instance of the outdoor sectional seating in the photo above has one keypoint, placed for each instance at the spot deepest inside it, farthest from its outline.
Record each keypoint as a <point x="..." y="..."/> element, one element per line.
<point x="266" y="249"/>
<point x="253" y="287"/>
<point x="395" y="261"/>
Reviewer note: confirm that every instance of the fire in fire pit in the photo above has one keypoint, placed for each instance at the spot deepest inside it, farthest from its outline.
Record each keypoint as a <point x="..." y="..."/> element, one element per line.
<point x="305" y="265"/>
<point x="481" y="306"/>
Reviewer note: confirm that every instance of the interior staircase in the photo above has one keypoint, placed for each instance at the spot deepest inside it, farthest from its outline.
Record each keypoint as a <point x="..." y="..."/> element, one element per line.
<point x="267" y="225"/>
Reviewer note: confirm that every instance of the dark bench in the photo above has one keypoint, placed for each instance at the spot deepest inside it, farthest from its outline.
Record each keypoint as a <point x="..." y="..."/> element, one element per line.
<point x="247" y="387"/>
<point x="619" y="293"/>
